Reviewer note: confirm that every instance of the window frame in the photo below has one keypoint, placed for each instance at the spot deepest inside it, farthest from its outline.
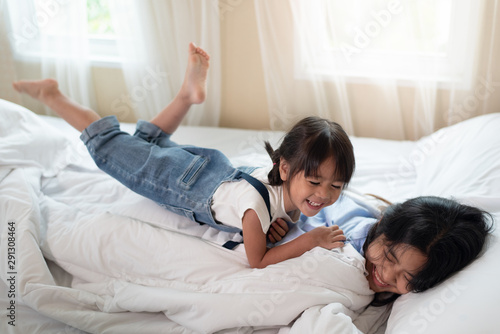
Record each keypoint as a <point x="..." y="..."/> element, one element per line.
<point x="103" y="49"/>
<point x="455" y="68"/>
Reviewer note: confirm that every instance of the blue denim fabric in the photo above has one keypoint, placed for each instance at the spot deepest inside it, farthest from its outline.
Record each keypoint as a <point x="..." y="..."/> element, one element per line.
<point x="182" y="179"/>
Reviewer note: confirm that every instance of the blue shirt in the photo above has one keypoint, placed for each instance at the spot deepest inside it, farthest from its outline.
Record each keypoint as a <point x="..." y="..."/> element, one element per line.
<point x="352" y="217"/>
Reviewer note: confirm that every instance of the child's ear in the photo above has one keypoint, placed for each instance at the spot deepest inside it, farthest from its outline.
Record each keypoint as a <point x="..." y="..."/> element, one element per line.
<point x="284" y="170"/>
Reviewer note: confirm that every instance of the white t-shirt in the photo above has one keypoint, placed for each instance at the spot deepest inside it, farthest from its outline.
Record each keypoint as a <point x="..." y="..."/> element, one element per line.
<point x="232" y="199"/>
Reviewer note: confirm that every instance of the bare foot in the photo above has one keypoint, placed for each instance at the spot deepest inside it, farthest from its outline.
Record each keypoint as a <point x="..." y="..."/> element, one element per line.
<point x="41" y="90"/>
<point x="194" y="86"/>
<point x="47" y="91"/>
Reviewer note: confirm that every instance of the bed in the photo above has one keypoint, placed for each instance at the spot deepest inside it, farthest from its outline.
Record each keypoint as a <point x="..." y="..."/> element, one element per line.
<point x="80" y="253"/>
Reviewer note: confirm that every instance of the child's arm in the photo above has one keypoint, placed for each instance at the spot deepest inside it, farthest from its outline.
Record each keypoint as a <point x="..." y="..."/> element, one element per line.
<point x="260" y="257"/>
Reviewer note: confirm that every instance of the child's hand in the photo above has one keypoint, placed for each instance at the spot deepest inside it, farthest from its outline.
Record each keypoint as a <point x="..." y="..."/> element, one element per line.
<point x="328" y="237"/>
<point x="278" y="229"/>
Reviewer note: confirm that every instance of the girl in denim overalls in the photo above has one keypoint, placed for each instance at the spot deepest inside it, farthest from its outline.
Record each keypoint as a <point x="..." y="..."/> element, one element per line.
<point x="311" y="167"/>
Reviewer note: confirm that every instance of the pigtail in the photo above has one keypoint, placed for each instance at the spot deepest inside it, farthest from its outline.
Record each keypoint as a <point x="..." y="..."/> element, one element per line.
<point x="310" y="142"/>
<point x="274" y="175"/>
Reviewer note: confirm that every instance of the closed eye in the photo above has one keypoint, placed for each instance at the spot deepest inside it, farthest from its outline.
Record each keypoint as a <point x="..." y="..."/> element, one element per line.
<point x="314" y="183"/>
<point x="336" y="187"/>
<point x="391" y="258"/>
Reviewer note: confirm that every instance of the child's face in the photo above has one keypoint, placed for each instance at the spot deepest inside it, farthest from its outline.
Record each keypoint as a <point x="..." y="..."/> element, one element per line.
<point x="312" y="193"/>
<point x="390" y="270"/>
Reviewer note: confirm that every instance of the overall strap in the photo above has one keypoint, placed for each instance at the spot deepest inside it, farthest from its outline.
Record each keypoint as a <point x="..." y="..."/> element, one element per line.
<point x="261" y="188"/>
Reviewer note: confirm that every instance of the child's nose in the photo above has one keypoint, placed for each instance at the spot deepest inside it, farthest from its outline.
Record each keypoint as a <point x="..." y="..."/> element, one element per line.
<point x="389" y="274"/>
<point x="324" y="194"/>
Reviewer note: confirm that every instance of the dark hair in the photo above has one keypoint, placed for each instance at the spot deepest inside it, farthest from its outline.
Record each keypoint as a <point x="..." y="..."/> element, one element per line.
<point x="451" y="235"/>
<point x="309" y="143"/>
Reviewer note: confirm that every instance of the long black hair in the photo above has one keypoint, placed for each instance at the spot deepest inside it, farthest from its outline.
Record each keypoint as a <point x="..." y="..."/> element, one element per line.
<point x="309" y="143"/>
<point x="451" y="235"/>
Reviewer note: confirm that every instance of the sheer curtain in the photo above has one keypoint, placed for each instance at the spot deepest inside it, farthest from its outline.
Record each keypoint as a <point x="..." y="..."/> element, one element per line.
<point x="153" y="38"/>
<point x="49" y="38"/>
<point x="7" y="71"/>
<point x="291" y="98"/>
<point x="388" y="69"/>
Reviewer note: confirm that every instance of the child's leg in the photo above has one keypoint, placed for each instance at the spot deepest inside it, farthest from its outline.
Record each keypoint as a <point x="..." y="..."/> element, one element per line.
<point x="47" y="91"/>
<point x="192" y="91"/>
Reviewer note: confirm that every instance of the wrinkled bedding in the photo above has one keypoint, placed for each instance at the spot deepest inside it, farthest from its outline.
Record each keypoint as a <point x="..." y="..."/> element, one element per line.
<point x="93" y="256"/>
<point x="80" y="253"/>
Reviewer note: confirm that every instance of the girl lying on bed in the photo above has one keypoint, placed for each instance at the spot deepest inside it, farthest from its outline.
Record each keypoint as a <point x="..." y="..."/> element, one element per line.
<point x="415" y="245"/>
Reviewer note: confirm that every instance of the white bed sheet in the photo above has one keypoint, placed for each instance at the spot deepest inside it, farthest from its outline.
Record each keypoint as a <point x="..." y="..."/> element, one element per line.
<point x="383" y="167"/>
<point x="394" y="170"/>
<point x="74" y="208"/>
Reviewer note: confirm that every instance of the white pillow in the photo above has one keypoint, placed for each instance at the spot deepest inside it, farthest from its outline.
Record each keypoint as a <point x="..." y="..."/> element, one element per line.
<point x="26" y="140"/>
<point x="465" y="303"/>
<point x="460" y="160"/>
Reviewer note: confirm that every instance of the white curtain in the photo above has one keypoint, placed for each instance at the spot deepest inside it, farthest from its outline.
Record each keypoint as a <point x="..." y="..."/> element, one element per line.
<point x="7" y="71"/>
<point x="289" y="98"/>
<point x="49" y="40"/>
<point x="153" y="38"/>
<point x="380" y="69"/>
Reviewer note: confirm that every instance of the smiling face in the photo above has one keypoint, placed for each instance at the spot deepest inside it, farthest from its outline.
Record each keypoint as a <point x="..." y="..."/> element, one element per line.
<point x="310" y="194"/>
<point x="390" y="269"/>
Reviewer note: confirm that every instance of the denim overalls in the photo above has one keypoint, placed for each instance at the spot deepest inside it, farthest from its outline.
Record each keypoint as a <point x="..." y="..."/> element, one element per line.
<point x="182" y="179"/>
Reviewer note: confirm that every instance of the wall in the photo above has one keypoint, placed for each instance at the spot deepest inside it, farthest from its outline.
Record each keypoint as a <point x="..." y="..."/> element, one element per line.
<point x="243" y="88"/>
<point x="243" y="95"/>
<point x="244" y="103"/>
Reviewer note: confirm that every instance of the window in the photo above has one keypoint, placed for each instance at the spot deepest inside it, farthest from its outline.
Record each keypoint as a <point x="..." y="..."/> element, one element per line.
<point x="99" y="18"/>
<point x="52" y="28"/>
<point x="404" y="40"/>
<point x="102" y="37"/>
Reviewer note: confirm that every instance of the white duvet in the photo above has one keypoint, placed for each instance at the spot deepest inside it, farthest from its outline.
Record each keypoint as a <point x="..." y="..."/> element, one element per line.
<point x="136" y="268"/>
<point x="90" y="256"/>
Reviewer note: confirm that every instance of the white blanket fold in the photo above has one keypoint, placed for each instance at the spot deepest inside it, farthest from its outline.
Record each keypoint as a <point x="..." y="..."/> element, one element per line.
<point x="138" y="268"/>
<point x="200" y="285"/>
<point x="124" y="264"/>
